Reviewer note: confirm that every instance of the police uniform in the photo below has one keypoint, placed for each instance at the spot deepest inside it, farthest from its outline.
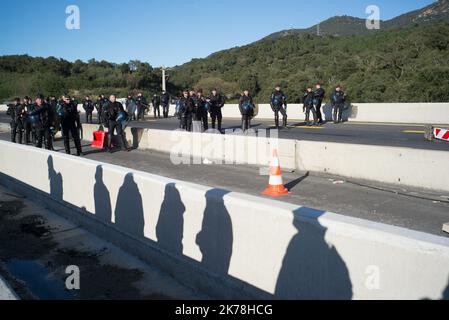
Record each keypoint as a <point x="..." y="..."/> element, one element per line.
<point x="318" y="97"/>
<point x="165" y="102"/>
<point x="186" y="110"/>
<point x="42" y="119"/>
<point x="338" y="102"/>
<point x="88" y="107"/>
<point x="16" y="112"/>
<point x="70" y="124"/>
<point x="156" y="101"/>
<point x="246" y="107"/>
<point x="279" y="105"/>
<point x="113" y="112"/>
<point x="142" y="104"/>
<point x="201" y="106"/>
<point x="216" y="103"/>
<point x="309" y="107"/>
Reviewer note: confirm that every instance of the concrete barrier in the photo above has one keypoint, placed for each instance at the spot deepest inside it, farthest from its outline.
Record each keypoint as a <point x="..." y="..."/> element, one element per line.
<point x="400" y="166"/>
<point x="405" y="113"/>
<point x="6" y="293"/>
<point x="232" y="245"/>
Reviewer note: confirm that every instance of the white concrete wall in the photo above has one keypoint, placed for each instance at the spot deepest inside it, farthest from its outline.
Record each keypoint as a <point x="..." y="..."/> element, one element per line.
<point x="401" y="166"/>
<point x="406" y="113"/>
<point x="282" y="250"/>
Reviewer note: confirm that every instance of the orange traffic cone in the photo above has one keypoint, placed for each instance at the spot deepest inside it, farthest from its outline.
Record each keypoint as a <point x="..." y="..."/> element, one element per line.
<point x="276" y="187"/>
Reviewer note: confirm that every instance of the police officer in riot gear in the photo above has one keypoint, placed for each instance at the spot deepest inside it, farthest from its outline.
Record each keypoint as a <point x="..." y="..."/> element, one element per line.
<point x="318" y="97"/>
<point x="338" y="99"/>
<point x="186" y="109"/>
<point x="131" y="107"/>
<point x="115" y="114"/>
<point x="201" y="106"/>
<point x="41" y="118"/>
<point x="70" y="124"/>
<point x="279" y="105"/>
<point x="246" y="107"/>
<point x="156" y="101"/>
<point x="217" y="102"/>
<point x="165" y="102"/>
<point x="88" y="107"/>
<point x="30" y="132"/>
<point x="101" y="105"/>
<point x="17" y="113"/>
<point x="309" y="107"/>
<point x="142" y="104"/>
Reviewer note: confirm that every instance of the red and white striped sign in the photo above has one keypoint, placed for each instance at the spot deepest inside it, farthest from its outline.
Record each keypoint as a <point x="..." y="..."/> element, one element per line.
<point x="441" y="134"/>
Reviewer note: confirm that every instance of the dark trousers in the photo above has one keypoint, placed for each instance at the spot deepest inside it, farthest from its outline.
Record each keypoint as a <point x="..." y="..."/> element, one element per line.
<point x="42" y="133"/>
<point x="100" y="117"/>
<point x="69" y="128"/>
<point x="114" y="125"/>
<point x="186" y="122"/>
<point x="89" y="117"/>
<point x="309" y="109"/>
<point x="216" y="117"/>
<point x="16" y="131"/>
<point x="204" y="119"/>
<point x="319" y="115"/>
<point x="276" y="117"/>
<point x="338" y="112"/>
<point x="157" y="110"/>
<point x="140" y="113"/>
<point x="30" y="134"/>
<point x="165" y="110"/>
<point x="246" y="122"/>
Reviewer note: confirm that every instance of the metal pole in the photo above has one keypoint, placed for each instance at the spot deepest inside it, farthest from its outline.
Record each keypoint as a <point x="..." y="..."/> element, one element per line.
<point x="164" y="88"/>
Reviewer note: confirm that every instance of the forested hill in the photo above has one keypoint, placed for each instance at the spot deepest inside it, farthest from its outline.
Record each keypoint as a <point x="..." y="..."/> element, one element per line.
<point x="25" y="75"/>
<point x="348" y="26"/>
<point x="402" y="65"/>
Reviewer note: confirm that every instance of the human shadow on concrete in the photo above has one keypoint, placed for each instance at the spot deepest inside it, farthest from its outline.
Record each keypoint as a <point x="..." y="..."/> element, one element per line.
<point x="56" y="183"/>
<point x="292" y="184"/>
<point x="311" y="269"/>
<point x="350" y="111"/>
<point x="215" y="239"/>
<point x="129" y="214"/>
<point x="103" y="209"/>
<point x="170" y="226"/>
<point x="446" y="293"/>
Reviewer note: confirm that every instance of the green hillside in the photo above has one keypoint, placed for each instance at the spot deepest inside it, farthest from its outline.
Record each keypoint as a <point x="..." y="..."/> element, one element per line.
<point x="404" y="65"/>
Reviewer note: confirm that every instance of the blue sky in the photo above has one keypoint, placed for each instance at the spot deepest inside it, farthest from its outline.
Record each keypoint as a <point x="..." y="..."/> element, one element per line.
<point x="164" y="32"/>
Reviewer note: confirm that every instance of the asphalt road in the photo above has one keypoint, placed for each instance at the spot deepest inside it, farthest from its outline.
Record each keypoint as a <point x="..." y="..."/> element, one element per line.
<point x="410" y="208"/>
<point x="410" y="136"/>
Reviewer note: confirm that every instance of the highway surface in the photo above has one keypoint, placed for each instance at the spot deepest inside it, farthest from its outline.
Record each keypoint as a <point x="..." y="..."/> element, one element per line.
<point x="410" y="136"/>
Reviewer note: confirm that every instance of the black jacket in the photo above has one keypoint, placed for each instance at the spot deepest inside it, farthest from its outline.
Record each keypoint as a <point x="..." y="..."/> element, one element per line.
<point x="308" y="99"/>
<point x="16" y="112"/>
<point x="156" y="101"/>
<point x="187" y="106"/>
<point x="45" y="114"/>
<point x="338" y="98"/>
<point x="88" y="106"/>
<point x="113" y="110"/>
<point x="245" y="100"/>
<point x="278" y="100"/>
<point x="216" y="102"/>
<point x="318" y="95"/>
<point x="165" y="99"/>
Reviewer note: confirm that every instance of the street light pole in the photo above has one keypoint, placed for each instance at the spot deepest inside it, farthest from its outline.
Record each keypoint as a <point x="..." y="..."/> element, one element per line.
<point x="164" y="86"/>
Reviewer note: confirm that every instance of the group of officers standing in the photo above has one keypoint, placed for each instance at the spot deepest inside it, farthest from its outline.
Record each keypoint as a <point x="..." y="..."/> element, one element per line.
<point x="40" y="120"/>
<point x="194" y="106"/>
